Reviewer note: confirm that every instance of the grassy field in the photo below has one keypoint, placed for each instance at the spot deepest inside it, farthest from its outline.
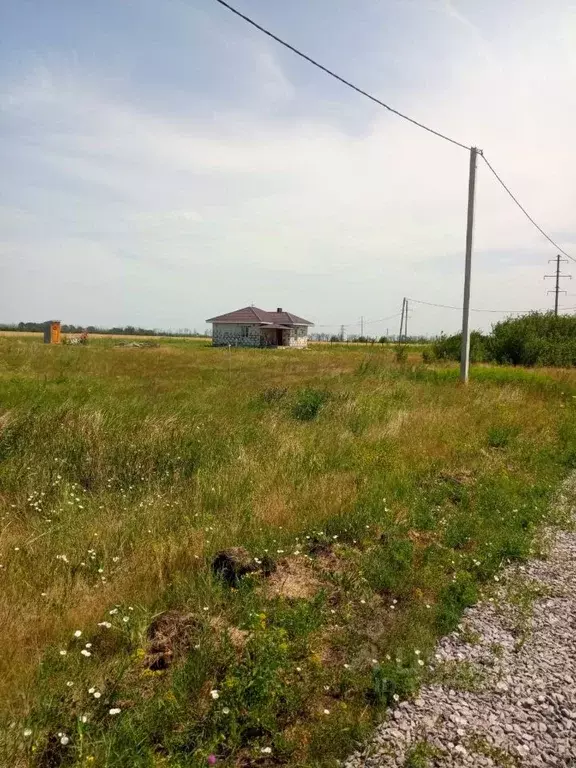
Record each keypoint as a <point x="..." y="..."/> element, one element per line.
<point x="378" y="496"/>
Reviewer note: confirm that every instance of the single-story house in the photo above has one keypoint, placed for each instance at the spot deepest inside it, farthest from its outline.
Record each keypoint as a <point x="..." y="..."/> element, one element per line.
<point x="253" y="327"/>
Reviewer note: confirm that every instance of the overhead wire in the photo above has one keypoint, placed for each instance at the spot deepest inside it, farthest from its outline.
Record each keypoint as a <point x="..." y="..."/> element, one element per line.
<point x="495" y="311"/>
<point x="366" y="322"/>
<point x="338" y="77"/>
<point x="524" y="211"/>
<point x="381" y="103"/>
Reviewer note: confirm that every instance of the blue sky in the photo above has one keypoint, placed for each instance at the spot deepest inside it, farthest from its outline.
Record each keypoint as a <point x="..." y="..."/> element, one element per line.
<point x="164" y="162"/>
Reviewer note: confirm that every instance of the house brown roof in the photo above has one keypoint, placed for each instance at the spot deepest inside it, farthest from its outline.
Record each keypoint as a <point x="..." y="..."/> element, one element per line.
<point x="255" y="315"/>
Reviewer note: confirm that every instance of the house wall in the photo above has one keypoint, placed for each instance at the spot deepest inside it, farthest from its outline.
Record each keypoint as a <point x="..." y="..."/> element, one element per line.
<point x="230" y="333"/>
<point x="296" y="337"/>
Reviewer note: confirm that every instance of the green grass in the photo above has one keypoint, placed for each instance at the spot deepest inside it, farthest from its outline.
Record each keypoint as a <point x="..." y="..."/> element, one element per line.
<point x="386" y="493"/>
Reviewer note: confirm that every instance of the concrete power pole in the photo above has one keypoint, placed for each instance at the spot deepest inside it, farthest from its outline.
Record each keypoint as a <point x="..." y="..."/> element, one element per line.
<point x="402" y="321"/>
<point x="558" y="276"/>
<point x="362" y="326"/>
<point x="406" y="321"/>
<point x="465" y="346"/>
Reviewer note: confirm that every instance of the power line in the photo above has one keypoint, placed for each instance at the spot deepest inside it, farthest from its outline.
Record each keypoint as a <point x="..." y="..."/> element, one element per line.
<point x="337" y="77"/>
<point x="352" y="325"/>
<point x="382" y="319"/>
<point x="525" y="212"/>
<point x="495" y="311"/>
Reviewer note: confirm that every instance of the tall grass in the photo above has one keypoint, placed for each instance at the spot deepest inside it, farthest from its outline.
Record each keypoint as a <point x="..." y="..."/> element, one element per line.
<point x="122" y="473"/>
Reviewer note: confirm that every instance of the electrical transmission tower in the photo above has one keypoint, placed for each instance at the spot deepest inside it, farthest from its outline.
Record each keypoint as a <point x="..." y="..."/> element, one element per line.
<point x="558" y="277"/>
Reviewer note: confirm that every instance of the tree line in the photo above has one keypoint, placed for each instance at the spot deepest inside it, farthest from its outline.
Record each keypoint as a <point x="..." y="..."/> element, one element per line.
<point x="539" y="338"/>
<point x="125" y="330"/>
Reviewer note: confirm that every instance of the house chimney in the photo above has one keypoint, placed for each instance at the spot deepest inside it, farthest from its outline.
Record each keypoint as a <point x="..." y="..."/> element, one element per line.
<point x="278" y="309"/>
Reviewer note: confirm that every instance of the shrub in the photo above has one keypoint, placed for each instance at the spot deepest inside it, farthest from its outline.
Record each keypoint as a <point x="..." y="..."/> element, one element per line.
<point x="500" y="436"/>
<point x="448" y="347"/>
<point x="308" y="404"/>
<point x="428" y="355"/>
<point x="401" y="353"/>
<point x="392" y="681"/>
<point x="535" y="339"/>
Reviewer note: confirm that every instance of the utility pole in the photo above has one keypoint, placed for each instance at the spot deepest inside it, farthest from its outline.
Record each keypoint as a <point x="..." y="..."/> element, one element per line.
<point x="406" y="321"/>
<point x="465" y="346"/>
<point x="362" y="326"/>
<point x="402" y="321"/>
<point x="341" y="333"/>
<point x="558" y="276"/>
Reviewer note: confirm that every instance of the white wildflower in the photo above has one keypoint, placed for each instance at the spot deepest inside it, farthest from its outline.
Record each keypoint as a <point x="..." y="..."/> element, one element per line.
<point x="27" y="732"/>
<point x="215" y="694"/>
<point x="86" y="653"/>
<point x="78" y="633"/>
<point x="114" y="711"/>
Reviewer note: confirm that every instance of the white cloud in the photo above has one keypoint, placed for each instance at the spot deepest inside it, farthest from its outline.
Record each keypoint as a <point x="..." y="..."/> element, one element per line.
<point x="129" y="216"/>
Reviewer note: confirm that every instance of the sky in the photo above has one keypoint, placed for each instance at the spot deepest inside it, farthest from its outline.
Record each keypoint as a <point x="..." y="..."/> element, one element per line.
<point x="164" y="162"/>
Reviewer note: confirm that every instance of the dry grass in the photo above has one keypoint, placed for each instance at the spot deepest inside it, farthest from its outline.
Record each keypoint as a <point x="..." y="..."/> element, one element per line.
<point x="138" y="465"/>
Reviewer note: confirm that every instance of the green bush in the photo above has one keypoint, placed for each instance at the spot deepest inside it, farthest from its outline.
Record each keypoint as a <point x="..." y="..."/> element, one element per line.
<point x="391" y="682"/>
<point x="428" y="355"/>
<point x="539" y="338"/>
<point x="401" y="353"/>
<point x="448" y="347"/>
<point x="535" y="339"/>
<point x="308" y="404"/>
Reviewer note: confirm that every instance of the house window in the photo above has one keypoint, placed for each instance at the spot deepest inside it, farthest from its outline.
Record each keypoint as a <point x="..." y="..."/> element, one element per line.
<point x="244" y="331"/>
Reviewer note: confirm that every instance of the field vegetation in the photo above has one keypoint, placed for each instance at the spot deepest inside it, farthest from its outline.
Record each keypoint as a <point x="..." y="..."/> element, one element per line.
<point x="536" y="339"/>
<point x="368" y="500"/>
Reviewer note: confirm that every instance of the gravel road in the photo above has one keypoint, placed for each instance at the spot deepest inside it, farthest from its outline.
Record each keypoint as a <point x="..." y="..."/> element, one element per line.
<point x="504" y="685"/>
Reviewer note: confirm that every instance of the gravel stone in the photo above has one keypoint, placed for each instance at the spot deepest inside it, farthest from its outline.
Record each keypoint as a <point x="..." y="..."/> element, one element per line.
<point x="525" y="712"/>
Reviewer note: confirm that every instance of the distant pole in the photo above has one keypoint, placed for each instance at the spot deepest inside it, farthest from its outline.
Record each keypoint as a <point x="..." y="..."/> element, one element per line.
<point x="557" y="285"/>
<point x="406" y="322"/>
<point x="558" y="276"/>
<point x="230" y="361"/>
<point x="362" y="326"/>
<point x="402" y="321"/>
<point x="465" y="345"/>
<point x="341" y="333"/>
